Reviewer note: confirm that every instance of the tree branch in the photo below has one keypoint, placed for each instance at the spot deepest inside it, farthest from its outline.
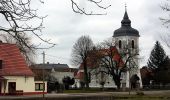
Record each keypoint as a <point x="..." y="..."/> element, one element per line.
<point x="77" y="9"/>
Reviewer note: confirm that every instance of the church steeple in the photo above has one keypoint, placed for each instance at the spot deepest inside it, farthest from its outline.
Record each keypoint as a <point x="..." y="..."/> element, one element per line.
<point x="126" y="21"/>
<point x="126" y="38"/>
<point x="126" y="29"/>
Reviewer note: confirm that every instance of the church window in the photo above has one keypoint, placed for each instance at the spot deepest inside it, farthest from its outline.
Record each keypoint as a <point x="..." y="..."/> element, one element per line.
<point x="120" y="44"/>
<point x="133" y="44"/>
<point x="0" y="64"/>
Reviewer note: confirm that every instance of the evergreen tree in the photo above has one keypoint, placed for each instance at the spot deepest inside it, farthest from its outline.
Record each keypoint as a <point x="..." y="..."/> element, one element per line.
<point x="162" y="75"/>
<point x="159" y="64"/>
<point x="157" y="57"/>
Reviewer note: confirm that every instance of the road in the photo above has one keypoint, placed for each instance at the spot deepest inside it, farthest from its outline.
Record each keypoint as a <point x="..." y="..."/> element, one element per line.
<point x="73" y="95"/>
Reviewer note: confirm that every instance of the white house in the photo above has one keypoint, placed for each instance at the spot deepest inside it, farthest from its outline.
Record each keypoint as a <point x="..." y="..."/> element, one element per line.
<point x="15" y="75"/>
<point x="57" y="71"/>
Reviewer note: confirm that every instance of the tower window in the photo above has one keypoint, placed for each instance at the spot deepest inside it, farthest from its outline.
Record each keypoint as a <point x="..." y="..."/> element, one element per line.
<point x="120" y="44"/>
<point x="0" y="64"/>
<point x="133" y="44"/>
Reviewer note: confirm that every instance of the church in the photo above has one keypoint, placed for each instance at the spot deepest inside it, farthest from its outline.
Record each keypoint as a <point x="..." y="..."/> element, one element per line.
<point x="125" y="39"/>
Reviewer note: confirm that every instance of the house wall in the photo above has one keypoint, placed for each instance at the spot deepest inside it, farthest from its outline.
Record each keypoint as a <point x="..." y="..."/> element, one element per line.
<point x="27" y="84"/>
<point x="96" y="78"/>
<point x="77" y="83"/>
<point x="95" y="82"/>
<point x="60" y="75"/>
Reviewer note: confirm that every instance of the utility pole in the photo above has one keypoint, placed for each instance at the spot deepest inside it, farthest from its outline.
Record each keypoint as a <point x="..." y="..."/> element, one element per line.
<point x="43" y="72"/>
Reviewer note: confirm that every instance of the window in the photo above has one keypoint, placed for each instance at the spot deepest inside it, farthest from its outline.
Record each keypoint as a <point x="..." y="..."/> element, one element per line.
<point x="0" y="64"/>
<point x="39" y="86"/>
<point x="120" y="44"/>
<point x="133" y="44"/>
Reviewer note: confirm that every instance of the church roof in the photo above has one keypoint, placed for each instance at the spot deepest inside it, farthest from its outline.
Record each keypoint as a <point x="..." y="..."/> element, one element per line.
<point x="12" y="62"/>
<point x="93" y="65"/>
<point x="126" y="29"/>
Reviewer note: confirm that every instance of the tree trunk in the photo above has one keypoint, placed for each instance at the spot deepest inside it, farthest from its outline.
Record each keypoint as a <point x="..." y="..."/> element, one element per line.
<point x="116" y="79"/>
<point x="86" y="80"/>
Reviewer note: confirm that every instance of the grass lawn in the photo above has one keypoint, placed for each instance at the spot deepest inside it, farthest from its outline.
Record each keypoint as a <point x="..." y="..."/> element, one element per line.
<point x="120" y="96"/>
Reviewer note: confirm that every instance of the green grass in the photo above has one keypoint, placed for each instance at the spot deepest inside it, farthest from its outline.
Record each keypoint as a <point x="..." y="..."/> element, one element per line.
<point x="122" y="96"/>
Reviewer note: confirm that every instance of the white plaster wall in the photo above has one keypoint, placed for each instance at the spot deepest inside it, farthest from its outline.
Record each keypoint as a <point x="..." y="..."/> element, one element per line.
<point x="26" y="84"/>
<point x="22" y="83"/>
<point x="77" y="83"/>
<point x="61" y="75"/>
<point x="95" y="81"/>
<point x="126" y="41"/>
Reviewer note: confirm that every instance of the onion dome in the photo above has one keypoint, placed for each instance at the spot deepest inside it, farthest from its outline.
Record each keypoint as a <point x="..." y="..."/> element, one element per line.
<point x="126" y="29"/>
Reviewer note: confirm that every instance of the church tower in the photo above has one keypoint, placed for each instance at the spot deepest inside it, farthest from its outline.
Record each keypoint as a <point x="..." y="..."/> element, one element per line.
<point x="126" y="39"/>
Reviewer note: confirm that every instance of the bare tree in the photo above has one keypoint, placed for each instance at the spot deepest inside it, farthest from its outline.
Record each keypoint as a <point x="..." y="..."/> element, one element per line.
<point x="80" y="53"/>
<point x="18" y="16"/>
<point x="166" y="22"/>
<point x="102" y="79"/>
<point x="115" y="62"/>
<point x="78" y="9"/>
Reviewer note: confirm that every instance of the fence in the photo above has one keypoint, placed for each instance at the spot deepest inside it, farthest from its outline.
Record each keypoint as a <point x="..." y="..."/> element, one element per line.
<point x="157" y="87"/>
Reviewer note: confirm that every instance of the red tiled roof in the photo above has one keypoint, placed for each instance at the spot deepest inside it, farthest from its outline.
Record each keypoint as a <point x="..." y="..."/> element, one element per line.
<point x="79" y="75"/>
<point x="105" y="52"/>
<point x="13" y="63"/>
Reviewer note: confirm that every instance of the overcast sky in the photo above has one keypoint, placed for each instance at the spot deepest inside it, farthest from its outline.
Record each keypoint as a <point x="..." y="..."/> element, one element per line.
<point x="64" y="27"/>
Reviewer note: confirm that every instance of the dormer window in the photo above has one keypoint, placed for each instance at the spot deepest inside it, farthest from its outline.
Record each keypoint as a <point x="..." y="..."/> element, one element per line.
<point x="133" y="44"/>
<point x="120" y="44"/>
<point x="0" y="64"/>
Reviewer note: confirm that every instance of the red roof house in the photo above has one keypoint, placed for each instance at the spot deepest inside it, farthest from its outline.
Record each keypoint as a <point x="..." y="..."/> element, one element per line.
<point x="15" y="76"/>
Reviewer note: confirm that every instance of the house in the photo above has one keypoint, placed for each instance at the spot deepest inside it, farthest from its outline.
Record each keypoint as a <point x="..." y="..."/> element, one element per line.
<point x="146" y="76"/>
<point x="15" y="76"/>
<point x="58" y="71"/>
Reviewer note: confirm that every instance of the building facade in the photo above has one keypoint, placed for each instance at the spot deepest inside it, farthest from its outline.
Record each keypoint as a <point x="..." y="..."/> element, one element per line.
<point x="15" y="76"/>
<point x="126" y="40"/>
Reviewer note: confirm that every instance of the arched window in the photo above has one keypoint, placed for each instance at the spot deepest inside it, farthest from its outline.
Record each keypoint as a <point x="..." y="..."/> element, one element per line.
<point x="120" y="44"/>
<point x="0" y="64"/>
<point x="133" y="44"/>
